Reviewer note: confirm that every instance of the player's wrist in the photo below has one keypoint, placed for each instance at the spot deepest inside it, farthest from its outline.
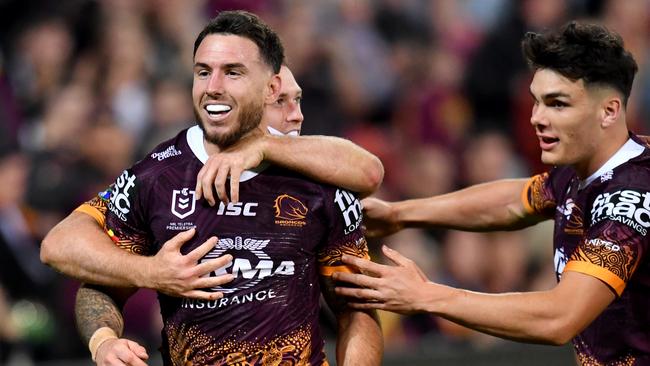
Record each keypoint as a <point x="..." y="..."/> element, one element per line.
<point x="101" y="336"/>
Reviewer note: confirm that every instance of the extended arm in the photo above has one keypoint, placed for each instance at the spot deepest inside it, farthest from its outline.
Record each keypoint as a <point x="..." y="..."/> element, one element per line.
<point x="490" y="206"/>
<point x="330" y="160"/>
<point x="78" y="247"/>
<point x="359" y="338"/>
<point x="550" y="317"/>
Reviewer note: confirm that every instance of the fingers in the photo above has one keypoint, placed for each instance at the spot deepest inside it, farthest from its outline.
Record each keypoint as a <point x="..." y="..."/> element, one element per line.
<point x="363" y="294"/>
<point x="220" y="184"/>
<point x="213" y="264"/>
<point x="139" y="351"/>
<point x="179" y="239"/>
<point x="203" y="249"/>
<point x="364" y="265"/>
<point x="203" y="295"/>
<point x="198" y="188"/>
<point x="205" y="179"/>
<point x="357" y="279"/>
<point x="395" y="256"/>
<point x="235" y="174"/>
<point x="210" y="282"/>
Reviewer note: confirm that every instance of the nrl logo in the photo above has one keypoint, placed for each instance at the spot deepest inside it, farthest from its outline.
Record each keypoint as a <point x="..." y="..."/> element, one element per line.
<point x="183" y="203"/>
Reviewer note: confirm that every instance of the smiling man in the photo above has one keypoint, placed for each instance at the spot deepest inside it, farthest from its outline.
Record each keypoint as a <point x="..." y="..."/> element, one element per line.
<point x="261" y="280"/>
<point x="598" y="193"/>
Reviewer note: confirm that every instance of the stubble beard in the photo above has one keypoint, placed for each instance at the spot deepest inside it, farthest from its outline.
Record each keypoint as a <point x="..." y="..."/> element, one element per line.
<point x="250" y="117"/>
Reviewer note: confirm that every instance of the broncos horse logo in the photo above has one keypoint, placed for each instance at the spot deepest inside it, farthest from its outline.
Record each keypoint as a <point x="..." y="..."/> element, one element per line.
<point x="289" y="208"/>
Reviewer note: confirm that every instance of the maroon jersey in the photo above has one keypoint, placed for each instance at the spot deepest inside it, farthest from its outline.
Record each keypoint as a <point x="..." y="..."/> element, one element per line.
<point x="285" y="235"/>
<point x="601" y="229"/>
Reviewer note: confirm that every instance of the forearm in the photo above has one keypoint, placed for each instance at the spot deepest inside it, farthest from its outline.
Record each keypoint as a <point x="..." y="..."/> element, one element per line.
<point x="94" y="309"/>
<point x="489" y="206"/>
<point x="327" y="159"/>
<point x="359" y="340"/>
<point x="79" y="248"/>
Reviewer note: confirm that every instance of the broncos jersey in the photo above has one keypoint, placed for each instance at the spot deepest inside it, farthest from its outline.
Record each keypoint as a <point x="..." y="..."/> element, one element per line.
<point x="285" y="235"/>
<point x="601" y="229"/>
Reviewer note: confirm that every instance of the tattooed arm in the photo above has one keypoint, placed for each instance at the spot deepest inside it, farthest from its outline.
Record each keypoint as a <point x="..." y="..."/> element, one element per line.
<point x="98" y="312"/>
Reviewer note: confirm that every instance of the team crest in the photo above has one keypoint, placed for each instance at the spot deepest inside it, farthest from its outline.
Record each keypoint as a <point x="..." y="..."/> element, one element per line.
<point x="183" y="202"/>
<point x="290" y="211"/>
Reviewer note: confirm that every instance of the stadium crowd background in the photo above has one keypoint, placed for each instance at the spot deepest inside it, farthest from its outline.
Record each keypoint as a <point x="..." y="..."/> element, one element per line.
<point x="437" y="89"/>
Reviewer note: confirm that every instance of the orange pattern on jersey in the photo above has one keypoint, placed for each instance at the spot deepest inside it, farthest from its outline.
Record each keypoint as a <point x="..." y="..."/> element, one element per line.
<point x="329" y="259"/>
<point x="534" y="198"/>
<point x="587" y="360"/>
<point x="96" y="208"/>
<point x="621" y="263"/>
<point x="293" y="349"/>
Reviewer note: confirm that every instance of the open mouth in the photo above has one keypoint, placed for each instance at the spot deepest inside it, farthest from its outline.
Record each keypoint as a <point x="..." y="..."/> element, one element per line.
<point x="217" y="110"/>
<point x="547" y="143"/>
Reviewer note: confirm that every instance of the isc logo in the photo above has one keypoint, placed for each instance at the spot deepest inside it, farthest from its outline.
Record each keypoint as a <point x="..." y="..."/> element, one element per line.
<point x="237" y="209"/>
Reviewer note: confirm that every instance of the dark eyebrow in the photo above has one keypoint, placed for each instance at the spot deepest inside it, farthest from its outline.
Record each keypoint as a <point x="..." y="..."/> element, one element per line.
<point x="553" y="95"/>
<point x="202" y="65"/>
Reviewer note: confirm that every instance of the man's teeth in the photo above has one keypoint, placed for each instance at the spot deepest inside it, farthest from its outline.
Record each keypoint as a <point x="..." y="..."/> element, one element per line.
<point x="217" y="108"/>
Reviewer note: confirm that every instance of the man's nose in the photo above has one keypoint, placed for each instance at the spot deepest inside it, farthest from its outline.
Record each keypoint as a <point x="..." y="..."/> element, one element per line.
<point x="215" y="84"/>
<point x="294" y="114"/>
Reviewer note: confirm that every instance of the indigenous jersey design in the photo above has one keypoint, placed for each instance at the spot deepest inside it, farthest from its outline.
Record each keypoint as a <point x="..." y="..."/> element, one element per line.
<point x="601" y="229"/>
<point x="285" y="235"/>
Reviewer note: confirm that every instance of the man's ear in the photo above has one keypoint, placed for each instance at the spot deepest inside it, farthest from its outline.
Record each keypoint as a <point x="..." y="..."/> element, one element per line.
<point x="611" y="111"/>
<point x="273" y="89"/>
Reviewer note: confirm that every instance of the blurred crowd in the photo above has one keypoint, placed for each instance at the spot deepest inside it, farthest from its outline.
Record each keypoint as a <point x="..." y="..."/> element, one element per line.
<point x="437" y="89"/>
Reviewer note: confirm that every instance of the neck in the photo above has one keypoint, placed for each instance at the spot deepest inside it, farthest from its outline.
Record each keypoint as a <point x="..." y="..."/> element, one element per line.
<point x="603" y="150"/>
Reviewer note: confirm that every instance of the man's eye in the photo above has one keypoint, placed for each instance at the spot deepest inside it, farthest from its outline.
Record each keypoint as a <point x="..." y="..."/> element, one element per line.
<point x="298" y="100"/>
<point x="557" y="104"/>
<point x="280" y="101"/>
<point x="203" y="73"/>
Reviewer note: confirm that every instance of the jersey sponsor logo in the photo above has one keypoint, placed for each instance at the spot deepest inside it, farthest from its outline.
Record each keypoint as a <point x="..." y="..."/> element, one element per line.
<point x="629" y="207"/>
<point x="350" y="209"/>
<point x="258" y="296"/>
<point x="290" y="211"/>
<point x="237" y="209"/>
<point x="119" y="203"/>
<point x="604" y="243"/>
<point x="183" y="202"/>
<point x="248" y="270"/>
<point x="167" y="153"/>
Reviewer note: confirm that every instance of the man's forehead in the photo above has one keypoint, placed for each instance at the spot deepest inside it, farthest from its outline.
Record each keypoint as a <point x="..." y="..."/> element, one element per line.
<point x="548" y="83"/>
<point x="227" y="48"/>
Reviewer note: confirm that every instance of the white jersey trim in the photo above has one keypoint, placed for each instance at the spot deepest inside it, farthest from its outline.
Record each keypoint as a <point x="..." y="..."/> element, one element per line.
<point x="195" y="141"/>
<point x="630" y="150"/>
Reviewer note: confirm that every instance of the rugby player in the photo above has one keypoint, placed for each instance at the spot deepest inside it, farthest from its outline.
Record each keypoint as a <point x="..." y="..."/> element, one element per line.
<point x="78" y="247"/>
<point x="285" y="237"/>
<point x="598" y="193"/>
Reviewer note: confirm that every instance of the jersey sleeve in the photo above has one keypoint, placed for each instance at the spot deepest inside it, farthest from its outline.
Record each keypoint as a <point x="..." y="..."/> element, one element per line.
<point x="538" y="196"/>
<point x="345" y="234"/>
<point x="616" y="239"/>
<point x="126" y="223"/>
<point x="96" y="207"/>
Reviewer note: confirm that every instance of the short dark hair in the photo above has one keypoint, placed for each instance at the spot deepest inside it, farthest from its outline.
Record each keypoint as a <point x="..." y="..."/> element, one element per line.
<point x="247" y="25"/>
<point x="586" y="51"/>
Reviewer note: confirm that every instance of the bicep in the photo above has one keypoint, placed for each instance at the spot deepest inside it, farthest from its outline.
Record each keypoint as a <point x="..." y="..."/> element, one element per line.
<point x="581" y="298"/>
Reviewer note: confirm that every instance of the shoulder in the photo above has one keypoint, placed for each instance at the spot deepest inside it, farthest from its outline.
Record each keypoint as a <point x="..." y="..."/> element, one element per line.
<point x="165" y="155"/>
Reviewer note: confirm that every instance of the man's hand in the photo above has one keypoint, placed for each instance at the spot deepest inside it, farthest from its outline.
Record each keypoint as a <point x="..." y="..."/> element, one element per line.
<point x="248" y="153"/>
<point x="379" y="218"/>
<point x="121" y="352"/>
<point x="175" y="274"/>
<point x="393" y="288"/>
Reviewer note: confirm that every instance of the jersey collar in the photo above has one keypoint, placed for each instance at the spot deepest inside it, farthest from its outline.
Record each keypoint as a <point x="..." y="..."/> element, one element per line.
<point x="630" y="150"/>
<point x="195" y="141"/>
